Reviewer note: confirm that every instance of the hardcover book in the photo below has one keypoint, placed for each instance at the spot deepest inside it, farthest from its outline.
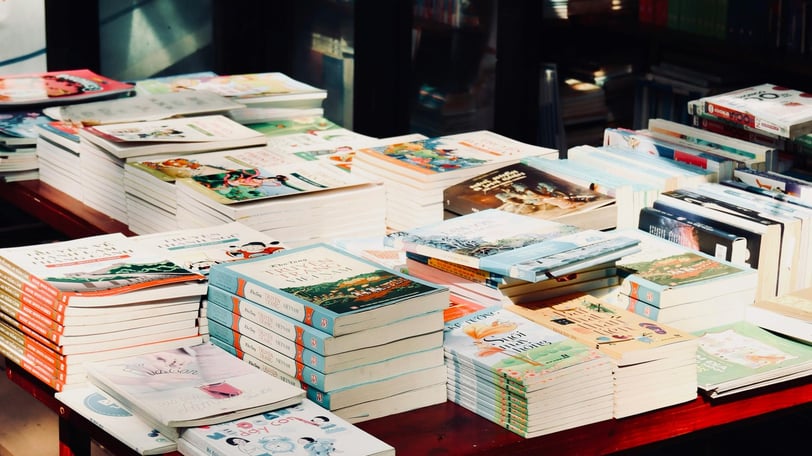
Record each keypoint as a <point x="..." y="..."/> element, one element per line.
<point x="772" y="108"/>
<point x="304" y="429"/>
<point x="329" y="289"/>
<point x="741" y="356"/>
<point x="190" y="386"/>
<point x="58" y="87"/>
<point x="524" y="189"/>
<point x="513" y="245"/>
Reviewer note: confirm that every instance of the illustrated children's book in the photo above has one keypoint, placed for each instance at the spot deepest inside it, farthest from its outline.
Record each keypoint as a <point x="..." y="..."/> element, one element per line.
<point x="528" y="190"/>
<point x="262" y="89"/>
<point x="304" y="429"/>
<point x="741" y="356"/>
<point x="58" y="87"/>
<point x="514" y="245"/>
<point x="190" y="386"/>
<point x="329" y="288"/>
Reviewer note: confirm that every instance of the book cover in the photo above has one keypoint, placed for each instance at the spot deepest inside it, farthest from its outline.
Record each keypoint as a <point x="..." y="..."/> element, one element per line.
<point x="626" y="337"/>
<point x="528" y="190"/>
<point x="172" y="83"/>
<point x="304" y="429"/>
<point x="772" y="108"/>
<point x="513" y="245"/>
<point x="188" y="134"/>
<point x="271" y="88"/>
<point x="80" y="271"/>
<point x="190" y="386"/>
<point x="197" y="249"/>
<point x="58" y="87"/>
<point x="329" y="289"/>
<point x="20" y="127"/>
<point x="789" y="314"/>
<point x="741" y="356"/>
<point x="109" y="415"/>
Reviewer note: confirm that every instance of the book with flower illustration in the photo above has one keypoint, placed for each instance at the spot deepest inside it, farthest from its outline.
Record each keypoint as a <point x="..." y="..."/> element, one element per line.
<point x="329" y="288"/>
<point x="741" y="356"/>
<point x="101" y="270"/>
<point x="190" y="386"/>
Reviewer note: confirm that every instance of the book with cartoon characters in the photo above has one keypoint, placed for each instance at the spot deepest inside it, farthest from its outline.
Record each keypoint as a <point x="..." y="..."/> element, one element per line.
<point x="58" y="87"/>
<point x="304" y="429"/>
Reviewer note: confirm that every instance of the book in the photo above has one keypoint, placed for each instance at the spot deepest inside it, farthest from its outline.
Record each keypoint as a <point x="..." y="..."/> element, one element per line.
<point x="694" y="234"/>
<point x="528" y="190"/>
<point x="101" y="270"/>
<point x="302" y="429"/>
<point x="58" y="87"/>
<point x="789" y="314"/>
<point x="666" y="274"/>
<point x="181" y="135"/>
<point x="329" y="288"/>
<point x="771" y="180"/>
<point x="772" y="108"/>
<point x="741" y="356"/>
<point x="260" y="89"/>
<point x="19" y="128"/>
<point x="190" y="386"/>
<point x="109" y="415"/>
<point x="513" y="245"/>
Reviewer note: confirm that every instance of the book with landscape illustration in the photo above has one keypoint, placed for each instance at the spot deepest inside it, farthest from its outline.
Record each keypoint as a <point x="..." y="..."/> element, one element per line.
<point x="58" y="87"/>
<point x="514" y="245"/>
<point x="528" y="190"/>
<point x="329" y="289"/>
<point x="190" y="386"/>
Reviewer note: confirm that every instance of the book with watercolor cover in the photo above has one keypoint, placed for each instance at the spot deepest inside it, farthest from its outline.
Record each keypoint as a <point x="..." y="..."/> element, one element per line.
<point x="109" y="415"/>
<point x="190" y="386"/>
<point x="329" y="288"/>
<point x="58" y="87"/>
<point x="317" y="340"/>
<point x="175" y="136"/>
<point x="513" y="245"/>
<point x="741" y="356"/>
<point x="304" y="429"/>
<point x="197" y="249"/>
<point x="102" y="270"/>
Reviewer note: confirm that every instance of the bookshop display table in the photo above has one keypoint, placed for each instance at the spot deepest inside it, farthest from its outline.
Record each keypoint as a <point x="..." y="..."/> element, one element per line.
<point x="443" y="429"/>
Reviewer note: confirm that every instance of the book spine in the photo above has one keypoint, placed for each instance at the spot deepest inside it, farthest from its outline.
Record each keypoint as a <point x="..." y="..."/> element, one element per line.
<point x="33" y="348"/>
<point x="34" y="298"/>
<point x="747" y="119"/>
<point x="464" y="272"/>
<point x="271" y="298"/>
<point x="51" y="377"/>
<point x="300" y="333"/>
<point x="643" y="290"/>
<point x="259" y="364"/>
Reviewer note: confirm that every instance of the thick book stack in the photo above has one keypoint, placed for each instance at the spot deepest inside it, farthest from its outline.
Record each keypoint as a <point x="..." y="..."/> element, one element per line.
<point x="363" y="340"/>
<point x="740" y="356"/>
<point x="682" y="287"/>
<point x="104" y="150"/>
<point x="523" y="376"/>
<point x="58" y="158"/>
<point x="18" y="141"/>
<point x="416" y="172"/>
<point x="654" y="364"/>
<point x="194" y="385"/>
<point x="304" y="429"/>
<point x="102" y="297"/>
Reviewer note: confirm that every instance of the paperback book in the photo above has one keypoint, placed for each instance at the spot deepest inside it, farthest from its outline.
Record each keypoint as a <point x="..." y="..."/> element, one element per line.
<point x="58" y="87"/>
<point x="191" y="386"/>
<point x="329" y="288"/>
<point x="514" y="245"/>
<point x="789" y="314"/>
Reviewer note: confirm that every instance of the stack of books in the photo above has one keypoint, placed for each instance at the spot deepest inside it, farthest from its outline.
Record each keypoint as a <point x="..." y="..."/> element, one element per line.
<point x="18" y="141"/>
<point x="416" y="172"/>
<point x="682" y="287"/>
<point x="523" y="376"/>
<point x="654" y="364"/>
<point x="363" y="340"/>
<point x="101" y="297"/>
<point x="104" y="149"/>
<point x="58" y="157"/>
<point x="193" y="385"/>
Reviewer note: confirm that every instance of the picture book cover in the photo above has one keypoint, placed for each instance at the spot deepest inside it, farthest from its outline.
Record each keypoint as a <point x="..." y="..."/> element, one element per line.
<point x="108" y="414"/>
<point x="516" y="349"/>
<point x="58" y="87"/>
<point x="21" y="126"/>
<point x="514" y="245"/>
<point x="79" y="270"/>
<point x="169" y="84"/>
<point x="305" y="429"/>
<point x="252" y="88"/>
<point x="741" y="356"/>
<point x="197" y="249"/>
<point x="522" y="189"/>
<point x="329" y="288"/>
<point x="772" y="108"/>
<point x="623" y="335"/>
<point x="190" y="386"/>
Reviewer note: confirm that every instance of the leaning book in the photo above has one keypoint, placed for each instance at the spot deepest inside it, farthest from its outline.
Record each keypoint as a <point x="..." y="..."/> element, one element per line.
<point x="304" y="429"/>
<point x="191" y="386"/>
<point x="329" y="289"/>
